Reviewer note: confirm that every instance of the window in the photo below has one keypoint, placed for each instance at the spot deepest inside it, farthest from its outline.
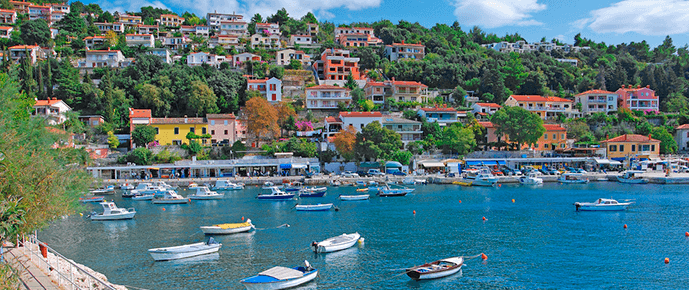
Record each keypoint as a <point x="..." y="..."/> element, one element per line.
<point x="212" y="132"/>
<point x="203" y="130"/>
<point x="621" y="148"/>
<point x="157" y="130"/>
<point x="545" y="146"/>
<point x="562" y="136"/>
<point x="225" y="123"/>
<point x="225" y="132"/>
<point x="633" y="148"/>
<point x="212" y="122"/>
<point x="554" y="136"/>
<point x="192" y="129"/>
<point x="176" y="142"/>
<point x="176" y="130"/>
<point x="613" y="148"/>
<point x="545" y="136"/>
<point x="653" y="147"/>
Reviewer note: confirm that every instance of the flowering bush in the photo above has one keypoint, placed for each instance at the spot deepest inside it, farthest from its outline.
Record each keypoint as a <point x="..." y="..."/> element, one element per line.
<point x="304" y="125"/>
<point x="651" y="112"/>
<point x="153" y="144"/>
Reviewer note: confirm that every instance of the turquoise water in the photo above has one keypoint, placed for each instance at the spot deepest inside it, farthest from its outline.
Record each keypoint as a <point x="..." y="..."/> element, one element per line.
<point x="537" y="242"/>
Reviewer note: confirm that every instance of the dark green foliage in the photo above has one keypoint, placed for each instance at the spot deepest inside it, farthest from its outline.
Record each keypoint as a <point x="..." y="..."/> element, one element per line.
<point x="143" y="134"/>
<point x="35" y="32"/>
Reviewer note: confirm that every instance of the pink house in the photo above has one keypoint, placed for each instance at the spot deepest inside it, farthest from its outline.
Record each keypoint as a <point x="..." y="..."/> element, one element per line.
<point x="638" y="98"/>
<point x="222" y="128"/>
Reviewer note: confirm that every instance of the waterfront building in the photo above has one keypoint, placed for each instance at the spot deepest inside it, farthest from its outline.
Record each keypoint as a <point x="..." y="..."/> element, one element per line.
<point x="146" y="40"/>
<point x="337" y="65"/>
<point x="546" y="107"/>
<point x="359" y="120"/>
<point x="400" y="91"/>
<point x="173" y="131"/>
<point x="271" y="89"/>
<point x="222" y="128"/>
<point x="8" y="16"/>
<point x="442" y="115"/>
<point x="327" y="97"/>
<point x="53" y="110"/>
<point x="632" y="146"/>
<point x="682" y="137"/>
<point x="285" y="56"/>
<point x="405" y="51"/>
<point x="597" y="101"/>
<point x="638" y="98"/>
<point x="138" y="117"/>
<point x="554" y="138"/>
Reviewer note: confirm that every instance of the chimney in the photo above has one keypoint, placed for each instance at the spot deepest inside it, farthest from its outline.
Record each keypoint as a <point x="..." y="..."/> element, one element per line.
<point x="623" y="86"/>
<point x="638" y="86"/>
<point x="185" y="119"/>
<point x="403" y="41"/>
<point x="648" y="86"/>
<point x="393" y="79"/>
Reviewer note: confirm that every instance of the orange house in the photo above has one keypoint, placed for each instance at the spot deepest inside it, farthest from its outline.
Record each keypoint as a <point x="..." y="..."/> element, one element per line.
<point x="555" y="137"/>
<point x="337" y="64"/>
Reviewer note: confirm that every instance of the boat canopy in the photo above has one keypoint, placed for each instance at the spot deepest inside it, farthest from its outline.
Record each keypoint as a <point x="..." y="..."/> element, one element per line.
<point x="485" y="162"/>
<point x="393" y="164"/>
<point x="282" y="273"/>
<point x="433" y="164"/>
<point x="602" y="161"/>
<point x="615" y="163"/>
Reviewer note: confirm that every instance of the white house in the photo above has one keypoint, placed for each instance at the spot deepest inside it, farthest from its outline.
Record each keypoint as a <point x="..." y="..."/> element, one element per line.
<point x="146" y="40"/>
<point x="268" y="28"/>
<point x="53" y="110"/>
<point x="271" y="88"/>
<point x="597" y="101"/>
<point x="215" y="18"/>
<point x="327" y="97"/>
<point x="300" y="39"/>
<point x="199" y="58"/>
<point x="103" y="58"/>
<point x="6" y="31"/>
<point x="682" y="137"/>
<point x="239" y="59"/>
<point x="105" y="26"/>
<point x="442" y="115"/>
<point x="284" y="57"/>
<point x="226" y="41"/>
<point x="271" y="41"/>
<point x="92" y="42"/>
<point x="359" y="120"/>
<point x="484" y="109"/>
<point x="163" y="53"/>
<point x="238" y="28"/>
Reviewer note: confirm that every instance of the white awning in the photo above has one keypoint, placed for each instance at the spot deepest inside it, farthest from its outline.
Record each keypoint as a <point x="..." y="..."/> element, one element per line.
<point x="432" y="164"/>
<point x="603" y="161"/>
<point x="615" y="162"/>
<point x="299" y="166"/>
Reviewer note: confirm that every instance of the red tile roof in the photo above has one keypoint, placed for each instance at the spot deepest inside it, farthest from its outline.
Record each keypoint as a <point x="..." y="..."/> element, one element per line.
<point x="553" y="127"/>
<point x="486" y="124"/>
<point x="536" y="98"/>
<point x="46" y="102"/>
<point x="408" y="44"/>
<point x="133" y="34"/>
<point x="139" y="113"/>
<point x="178" y="121"/>
<point x="6" y="10"/>
<point x="256" y="81"/>
<point x="491" y="105"/>
<point x="23" y="47"/>
<point x="220" y="116"/>
<point x="438" y="109"/>
<point x="631" y="138"/>
<point x="333" y="120"/>
<point x="327" y="87"/>
<point x="5" y="27"/>
<point x="596" y="92"/>
<point x="360" y="114"/>
<point x="681" y="127"/>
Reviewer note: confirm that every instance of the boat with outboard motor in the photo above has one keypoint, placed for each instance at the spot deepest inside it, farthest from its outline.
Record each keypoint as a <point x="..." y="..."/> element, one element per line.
<point x="338" y="243"/>
<point x="112" y="212"/>
<point x="229" y="228"/>
<point x="602" y="204"/>
<point x="276" y="194"/>
<point x="280" y="278"/>
<point x="185" y="251"/>
<point x="203" y="193"/>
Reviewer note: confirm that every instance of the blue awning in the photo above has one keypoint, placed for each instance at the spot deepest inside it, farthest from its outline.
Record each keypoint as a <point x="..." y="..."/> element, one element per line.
<point x="369" y="164"/>
<point x="618" y="159"/>
<point x="485" y="162"/>
<point x="501" y="162"/>
<point x="285" y="166"/>
<point x="394" y="164"/>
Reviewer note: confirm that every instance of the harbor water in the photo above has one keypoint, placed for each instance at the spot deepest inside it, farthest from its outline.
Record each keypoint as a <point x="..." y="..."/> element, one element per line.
<point x="538" y="241"/>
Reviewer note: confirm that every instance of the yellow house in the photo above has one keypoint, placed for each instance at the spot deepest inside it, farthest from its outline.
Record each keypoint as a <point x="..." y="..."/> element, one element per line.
<point x="632" y="146"/>
<point x="173" y="131"/>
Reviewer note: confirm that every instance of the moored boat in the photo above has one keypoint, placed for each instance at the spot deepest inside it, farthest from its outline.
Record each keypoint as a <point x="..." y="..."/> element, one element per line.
<point x="531" y="179"/>
<point x="145" y="188"/>
<point x="127" y="186"/>
<point x="389" y="191"/>
<point x="314" y="207"/>
<point x="227" y="185"/>
<point x="185" y="251"/>
<point x="354" y="197"/>
<point x="312" y="191"/>
<point x="171" y="197"/>
<point x="229" y="228"/>
<point x="149" y="196"/>
<point x="573" y="178"/>
<point x="112" y="212"/>
<point x="86" y="199"/>
<point x="341" y="242"/>
<point x="276" y="194"/>
<point x="110" y="189"/>
<point x="481" y="178"/>
<point x="203" y="193"/>
<point x="602" y="204"/>
<point x="632" y="177"/>
<point x="294" y="186"/>
<point x="280" y="278"/>
<point x="437" y="269"/>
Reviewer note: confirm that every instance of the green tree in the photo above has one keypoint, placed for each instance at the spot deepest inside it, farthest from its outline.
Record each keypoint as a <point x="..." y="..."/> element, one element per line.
<point x="35" y="32"/>
<point x="376" y="142"/>
<point x="457" y="140"/>
<point x="667" y="142"/>
<point x="415" y="147"/>
<point x="522" y="126"/>
<point x="351" y="83"/>
<point x="73" y="22"/>
<point x="402" y="156"/>
<point x="140" y="156"/>
<point x="675" y="102"/>
<point x="294" y="64"/>
<point x="514" y="72"/>
<point x="143" y="134"/>
<point x="309" y="18"/>
<point x="281" y="17"/>
<point x="202" y="99"/>
<point x="112" y="140"/>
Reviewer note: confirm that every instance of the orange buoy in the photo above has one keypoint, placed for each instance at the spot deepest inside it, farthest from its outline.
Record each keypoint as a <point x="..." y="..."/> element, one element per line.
<point x="484" y="218"/>
<point x="667" y="260"/>
<point x="460" y="201"/>
<point x="625" y="226"/>
<point x="513" y="200"/>
<point x="163" y="209"/>
<point x="499" y="185"/>
<point x="686" y="234"/>
<point x="242" y="218"/>
<point x="414" y="212"/>
<point x="483" y="256"/>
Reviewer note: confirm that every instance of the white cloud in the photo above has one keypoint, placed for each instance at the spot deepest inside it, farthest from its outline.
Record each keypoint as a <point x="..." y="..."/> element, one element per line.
<point x="325" y="15"/>
<point x="496" y="13"/>
<point x="295" y="8"/>
<point x="648" y="17"/>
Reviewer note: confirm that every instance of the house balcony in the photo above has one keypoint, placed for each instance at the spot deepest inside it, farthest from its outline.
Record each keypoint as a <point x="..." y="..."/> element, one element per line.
<point x="441" y="120"/>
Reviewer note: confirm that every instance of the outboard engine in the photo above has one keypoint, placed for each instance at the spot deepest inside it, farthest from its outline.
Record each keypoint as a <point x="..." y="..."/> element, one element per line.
<point x="314" y="244"/>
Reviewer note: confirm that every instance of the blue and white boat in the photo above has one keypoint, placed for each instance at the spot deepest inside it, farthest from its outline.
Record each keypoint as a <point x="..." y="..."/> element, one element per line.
<point x="314" y="207"/>
<point x="280" y="278"/>
<point x="573" y="178"/>
<point x="276" y="194"/>
<point x="312" y="191"/>
<point x="227" y="185"/>
<point x="146" y="188"/>
<point x="294" y="186"/>
<point x="631" y="177"/>
<point x="481" y="178"/>
<point x="388" y="191"/>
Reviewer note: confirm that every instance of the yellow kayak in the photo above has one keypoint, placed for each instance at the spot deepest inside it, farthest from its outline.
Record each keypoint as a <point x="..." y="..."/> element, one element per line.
<point x="462" y="183"/>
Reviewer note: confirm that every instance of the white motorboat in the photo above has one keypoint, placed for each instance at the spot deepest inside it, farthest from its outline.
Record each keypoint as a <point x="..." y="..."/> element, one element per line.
<point x="341" y="242"/>
<point x="127" y="186"/>
<point x="143" y="197"/>
<point x="280" y="278"/>
<point x="269" y="185"/>
<point x="481" y="178"/>
<point x="171" y="197"/>
<point x="531" y="179"/>
<point x="354" y="197"/>
<point x="602" y="204"/>
<point x="389" y="191"/>
<point x="573" y="178"/>
<point x="230" y="228"/>
<point x="110" y="189"/>
<point x="112" y="212"/>
<point x="314" y="207"/>
<point x="185" y="251"/>
<point x="276" y="194"/>
<point x="163" y="185"/>
<point x="227" y="185"/>
<point x="437" y="269"/>
<point x="313" y="191"/>
<point x="632" y="177"/>
<point x="146" y="188"/>
<point x="203" y="193"/>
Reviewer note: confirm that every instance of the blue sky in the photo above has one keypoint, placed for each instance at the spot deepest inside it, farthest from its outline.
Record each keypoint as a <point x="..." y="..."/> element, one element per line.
<point x="612" y="21"/>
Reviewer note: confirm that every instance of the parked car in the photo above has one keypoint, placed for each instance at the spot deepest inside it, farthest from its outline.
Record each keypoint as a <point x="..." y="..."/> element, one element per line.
<point x="349" y="174"/>
<point x="362" y="173"/>
<point x="374" y="172"/>
<point x="399" y="173"/>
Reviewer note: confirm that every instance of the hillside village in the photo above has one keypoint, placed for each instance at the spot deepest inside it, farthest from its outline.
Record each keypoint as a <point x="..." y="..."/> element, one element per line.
<point x="221" y="85"/>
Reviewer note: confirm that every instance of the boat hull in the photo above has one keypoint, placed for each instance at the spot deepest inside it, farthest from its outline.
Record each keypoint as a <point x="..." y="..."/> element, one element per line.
<point x="484" y="182"/>
<point x="92" y="199"/>
<point x="124" y="216"/>
<point x="632" y="181"/>
<point x="312" y="194"/>
<point x="419" y="276"/>
<point x="616" y="207"/>
<point x="211" y="230"/>
<point x="337" y="247"/>
<point x="161" y="255"/>
<point x="281" y="284"/>
<point x="317" y="207"/>
<point x="143" y="197"/>
<point x="275" y="197"/>
<point x="531" y="181"/>
<point x="171" y="201"/>
<point x="206" y="197"/>
<point x="354" y="197"/>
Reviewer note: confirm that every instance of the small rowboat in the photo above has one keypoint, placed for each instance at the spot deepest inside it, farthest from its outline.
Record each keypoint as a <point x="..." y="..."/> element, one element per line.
<point x="341" y="242"/>
<point x="280" y="278"/>
<point x="185" y="251"/>
<point x="362" y="189"/>
<point x="354" y="197"/>
<point x="314" y="207"/>
<point x="224" y="229"/>
<point x="92" y="199"/>
<point x="313" y="192"/>
<point x="437" y="269"/>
